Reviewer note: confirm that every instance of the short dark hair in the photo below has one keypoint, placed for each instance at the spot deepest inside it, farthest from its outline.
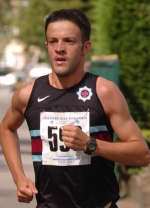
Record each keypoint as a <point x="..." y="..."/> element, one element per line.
<point x="74" y="15"/>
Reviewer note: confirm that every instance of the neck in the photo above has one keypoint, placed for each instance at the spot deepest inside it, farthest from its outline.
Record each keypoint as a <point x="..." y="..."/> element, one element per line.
<point x="66" y="82"/>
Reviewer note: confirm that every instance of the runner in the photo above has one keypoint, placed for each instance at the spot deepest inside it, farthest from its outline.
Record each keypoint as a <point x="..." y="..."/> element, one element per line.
<point x="71" y="117"/>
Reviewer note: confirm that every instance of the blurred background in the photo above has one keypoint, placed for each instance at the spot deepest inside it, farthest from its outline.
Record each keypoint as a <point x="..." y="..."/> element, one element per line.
<point x="120" y="52"/>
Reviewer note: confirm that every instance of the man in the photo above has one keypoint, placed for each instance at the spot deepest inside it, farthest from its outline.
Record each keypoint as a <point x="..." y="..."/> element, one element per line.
<point x="71" y="117"/>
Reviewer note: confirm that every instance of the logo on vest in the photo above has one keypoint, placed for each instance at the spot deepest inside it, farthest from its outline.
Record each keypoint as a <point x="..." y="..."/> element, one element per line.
<point x="42" y="99"/>
<point x="84" y="93"/>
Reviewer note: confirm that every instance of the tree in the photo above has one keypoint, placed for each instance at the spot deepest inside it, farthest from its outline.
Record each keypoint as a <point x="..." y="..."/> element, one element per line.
<point x="101" y="15"/>
<point x="31" y="22"/>
<point x="5" y="17"/>
<point x="130" y="33"/>
<point x="5" y="23"/>
<point x="121" y="27"/>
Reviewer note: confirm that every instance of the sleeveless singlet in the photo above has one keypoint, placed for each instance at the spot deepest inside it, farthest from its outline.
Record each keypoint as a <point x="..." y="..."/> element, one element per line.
<point x="66" y="178"/>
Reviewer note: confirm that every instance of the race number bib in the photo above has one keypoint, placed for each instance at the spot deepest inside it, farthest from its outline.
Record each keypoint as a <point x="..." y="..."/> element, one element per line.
<point x="54" y="151"/>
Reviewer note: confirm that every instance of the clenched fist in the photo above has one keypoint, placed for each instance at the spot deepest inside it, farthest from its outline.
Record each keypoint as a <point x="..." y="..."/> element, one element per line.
<point x="74" y="137"/>
<point x="26" y="190"/>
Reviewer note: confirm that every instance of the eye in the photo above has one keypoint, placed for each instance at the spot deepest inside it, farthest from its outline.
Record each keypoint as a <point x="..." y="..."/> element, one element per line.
<point x="71" y="41"/>
<point x="52" y="41"/>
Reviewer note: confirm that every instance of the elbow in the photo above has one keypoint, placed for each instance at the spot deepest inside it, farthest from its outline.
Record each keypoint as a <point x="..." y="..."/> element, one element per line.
<point x="145" y="158"/>
<point x="145" y="155"/>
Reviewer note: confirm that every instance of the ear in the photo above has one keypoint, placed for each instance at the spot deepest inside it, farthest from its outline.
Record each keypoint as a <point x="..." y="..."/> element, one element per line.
<point x="46" y="44"/>
<point x="87" y="46"/>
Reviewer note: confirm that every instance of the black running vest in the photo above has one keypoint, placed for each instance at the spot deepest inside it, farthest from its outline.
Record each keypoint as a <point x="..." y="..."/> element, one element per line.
<point x="84" y="186"/>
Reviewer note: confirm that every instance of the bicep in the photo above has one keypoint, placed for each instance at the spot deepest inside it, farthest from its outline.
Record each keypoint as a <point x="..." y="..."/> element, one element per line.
<point x="121" y="119"/>
<point x="124" y="125"/>
<point x="118" y="113"/>
<point x="13" y="119"/>
<point x="14" y="116"/>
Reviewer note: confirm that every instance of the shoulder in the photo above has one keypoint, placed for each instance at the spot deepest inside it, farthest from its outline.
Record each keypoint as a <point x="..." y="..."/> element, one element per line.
<point x="21" y="97"/>
<point x="106" y="87"/>
<point x="110" y="95"/>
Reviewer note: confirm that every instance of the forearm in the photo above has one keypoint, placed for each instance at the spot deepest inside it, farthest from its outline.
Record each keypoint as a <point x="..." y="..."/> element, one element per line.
<point x="129" y="153"/>
<point x="11" y="150"/>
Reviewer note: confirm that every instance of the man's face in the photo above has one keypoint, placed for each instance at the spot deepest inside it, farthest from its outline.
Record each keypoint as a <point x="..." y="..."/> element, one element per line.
<point x="66" y="49"/>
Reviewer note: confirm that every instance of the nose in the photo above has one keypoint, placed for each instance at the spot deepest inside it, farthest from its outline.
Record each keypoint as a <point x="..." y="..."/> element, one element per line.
<point x="60" y="47"/>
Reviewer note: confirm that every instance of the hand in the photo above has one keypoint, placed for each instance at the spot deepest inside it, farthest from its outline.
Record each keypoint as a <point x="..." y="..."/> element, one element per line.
<point x="26" y="190"/>
<point x="74" y="137"/>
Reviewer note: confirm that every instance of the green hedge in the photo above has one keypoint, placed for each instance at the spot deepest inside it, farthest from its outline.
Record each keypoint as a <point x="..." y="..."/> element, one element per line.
<point x="130" y="32"/>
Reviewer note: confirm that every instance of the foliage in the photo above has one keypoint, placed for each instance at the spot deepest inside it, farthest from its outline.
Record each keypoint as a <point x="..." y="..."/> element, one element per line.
<point x="32" y="20"/>
<point x="5" y="23"/>
<point x="130" y="34"/>
<point x="5" y="16"/>
<point x="121" y="27"/>
<point x="134" y="170"/>
<point x="146" y="133"/>
<point x="101" y="14"/>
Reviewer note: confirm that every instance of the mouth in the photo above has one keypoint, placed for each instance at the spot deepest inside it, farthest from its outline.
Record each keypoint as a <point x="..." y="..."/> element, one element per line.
<point x="60" y="60"/>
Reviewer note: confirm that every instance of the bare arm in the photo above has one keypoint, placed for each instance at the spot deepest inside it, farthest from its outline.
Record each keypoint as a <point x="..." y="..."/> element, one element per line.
<point x="132" y="148"/>
<point x="10" y="142"/>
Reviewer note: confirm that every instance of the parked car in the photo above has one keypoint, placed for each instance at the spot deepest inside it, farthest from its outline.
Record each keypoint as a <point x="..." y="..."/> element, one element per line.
<point x="39" y="70"/>
<point x="7" y="78"/>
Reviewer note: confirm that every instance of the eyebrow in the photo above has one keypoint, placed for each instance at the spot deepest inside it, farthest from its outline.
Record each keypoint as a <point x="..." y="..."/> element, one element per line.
<point x="69" y="37"/>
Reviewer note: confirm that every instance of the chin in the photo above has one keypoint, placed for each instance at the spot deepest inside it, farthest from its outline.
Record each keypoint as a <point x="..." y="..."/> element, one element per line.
<point x="63" y="73"/>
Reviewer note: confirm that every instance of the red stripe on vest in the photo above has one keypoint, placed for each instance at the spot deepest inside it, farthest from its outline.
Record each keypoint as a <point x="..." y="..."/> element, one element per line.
<point x="36" y="145"/>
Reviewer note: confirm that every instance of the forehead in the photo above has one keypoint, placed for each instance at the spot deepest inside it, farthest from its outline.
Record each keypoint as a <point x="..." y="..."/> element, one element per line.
<point x="63" y="28"/>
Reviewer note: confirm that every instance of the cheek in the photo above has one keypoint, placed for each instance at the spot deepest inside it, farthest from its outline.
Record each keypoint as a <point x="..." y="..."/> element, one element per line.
<point x="50" y="58"/>
<point x="77" y="53"/>
<point x="76" y="58"/>
<point x="49" y="51"/>
<point x="50" y="54"/>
